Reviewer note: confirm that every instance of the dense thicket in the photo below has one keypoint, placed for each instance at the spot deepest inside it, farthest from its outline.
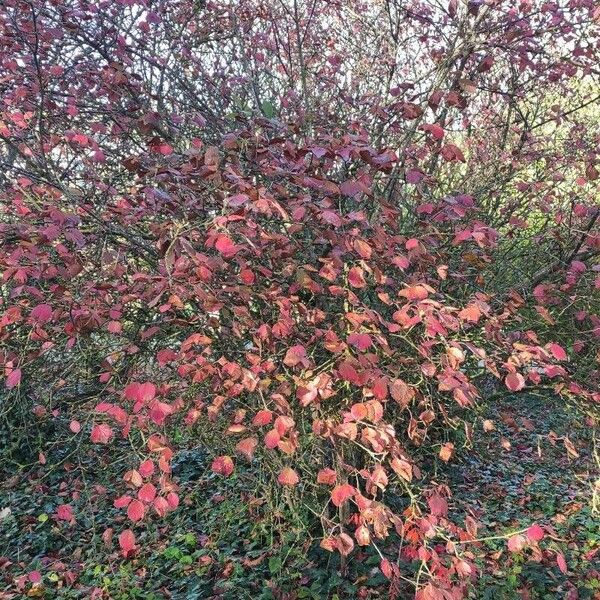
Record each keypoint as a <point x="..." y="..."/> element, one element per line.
<point x="318" y="227"/>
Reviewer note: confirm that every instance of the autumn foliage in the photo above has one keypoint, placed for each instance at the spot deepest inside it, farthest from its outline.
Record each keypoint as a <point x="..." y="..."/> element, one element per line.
<point x="324" y="230"/>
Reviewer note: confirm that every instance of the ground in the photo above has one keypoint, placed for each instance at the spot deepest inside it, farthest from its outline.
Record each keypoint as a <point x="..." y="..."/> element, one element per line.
<point x="536" y="465"/>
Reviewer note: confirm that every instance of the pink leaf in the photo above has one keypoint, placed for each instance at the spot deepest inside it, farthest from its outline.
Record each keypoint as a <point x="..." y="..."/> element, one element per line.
<point x="294" y="356"/>
<point x="225" y="246"/>
<point x="341" y="493"/>
<point x="351" y="188"/>
<point x="136" y="511"/>
<point x="147" y="493"/>
<point x="262" y="418"/>
<point x="414" y="176"/>
<point x="515" y="382"/>
<point x="42" y="313"/>
<point x="146" y="468"/>
<point x="438" y="505"/>
<point x="562" y="563"/>
<point x="435" y="130"/>
<point x="355" y="277"/>
<point x="122" y="501"/>
<point x="172" y="500"/>
<point x="35" y="577"/>
<point x="247" y="276"/>
<point x="127" y="542"/>
<point x="516" y="543"/>
<point x="161" y="506"/>
<point x="247" y="446"/>
<point x="272" y="438"/>
<point x="288" y="477"/>
<point x="362" y="341"/>
<point x="535" y="533"/>
<point x="223" y="465"/>
<point x="326" y="476"/>
<point x="557" y="351"/>
<point x="13" y="379"/>
<point x="101" y="434"/>
<point x="140" y="392"/>
<point x="64" y="512"/>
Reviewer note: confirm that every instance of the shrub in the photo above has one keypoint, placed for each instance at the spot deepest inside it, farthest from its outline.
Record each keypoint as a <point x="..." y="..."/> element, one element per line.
<point x="206" y="225"/>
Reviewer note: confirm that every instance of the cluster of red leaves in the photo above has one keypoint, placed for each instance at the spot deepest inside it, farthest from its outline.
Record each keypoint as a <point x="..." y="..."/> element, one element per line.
<point x="266" y="281"/>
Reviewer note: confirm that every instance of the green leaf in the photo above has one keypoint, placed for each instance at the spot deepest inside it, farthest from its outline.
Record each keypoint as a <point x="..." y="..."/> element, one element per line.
<point x="275" y="564"/>
<point x="268" y="109"/>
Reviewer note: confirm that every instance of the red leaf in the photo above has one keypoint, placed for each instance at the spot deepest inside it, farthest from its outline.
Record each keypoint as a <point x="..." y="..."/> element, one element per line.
<point x="288" y="477"/>
<point x="13" y="379"/>
<point x="362" y="248"/>
<point x="414" y="176"/>
<point x="247" y="276"/>
<point x="401" y="262"/>
<point x="386" y="568"/>
<point x="401" y="392"/>
<point x="295" y="355"/>
<point x="344" y="544"/>
<point x="127" y="542"/>
<point x="160" y="411"/>
<point x="516" y="543"/>
<point x="515" y="382"/>
<point x="351" y="188"/>
<point x="101" y="434"/>
<point x="147" y="493"/>
<point x="362" y="341"/>
<point x="470" y="313"/>
<point x="355" y="277"/>
<point x="272" y="439"/>
<point x="172" y="500"/>
<point x="134" y="478"/>
<point x="348" y="372"/>
<point x="380" y="388"/>
<point x="161" y="506"/>
<point x="247" y="447"/>
<point x="75" y="426"/>
<point x="557" y="351"/>
<point x="146" y="468"/>
<point x="164" y="149"/>
<point x="136" y="511"/>
<point x="35" y="577"/>
<point x="262" y="418"/>
<point x="562" y="563"/>
<point x="359" y="411"/>
<point x="140" y="392"/>
<point x="415" y="292"/>
<point x="64" y="512"/>
<point x="451" y="152"/>
<point x="437" y="505"/>
<point x="122" y="501"/>
<point x="435" y="130"/>
<point x="225" y="246"/>
<point x="535" y="533"/>
<point x="402" y="468"/>
<point x="42" y="313"/>
<point x="326" y="476"/>
<point x="165" y="356"/>
<point x="341" y="493"/>
<point x="447" y="451"/>
<point x="223" y="465"/>
<point x="362" y="536"/>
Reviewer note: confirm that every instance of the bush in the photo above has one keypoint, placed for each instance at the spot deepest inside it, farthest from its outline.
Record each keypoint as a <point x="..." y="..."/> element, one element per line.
<point x="310" y="266"/>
